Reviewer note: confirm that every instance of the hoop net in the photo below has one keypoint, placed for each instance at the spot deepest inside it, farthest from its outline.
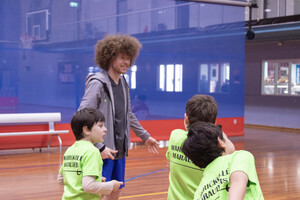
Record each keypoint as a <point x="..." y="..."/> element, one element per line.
<point x="26" y="41"/>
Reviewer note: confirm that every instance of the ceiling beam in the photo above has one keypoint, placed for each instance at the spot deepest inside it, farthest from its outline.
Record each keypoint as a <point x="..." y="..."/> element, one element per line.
<point x="227" y="2"/>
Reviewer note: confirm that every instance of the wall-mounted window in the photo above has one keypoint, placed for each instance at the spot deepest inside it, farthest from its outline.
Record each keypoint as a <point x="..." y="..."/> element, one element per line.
<point x="66" y="72"/>
<point x="214" y="78"/>
<point x="281" y="77"/>
<point x="130" y="76"/>
<point x="170" y="78"/>
<point x="93" y="69"/>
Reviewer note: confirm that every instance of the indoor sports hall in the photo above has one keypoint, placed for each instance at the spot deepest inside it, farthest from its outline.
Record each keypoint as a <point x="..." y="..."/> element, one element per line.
<point x="244" y="53"/>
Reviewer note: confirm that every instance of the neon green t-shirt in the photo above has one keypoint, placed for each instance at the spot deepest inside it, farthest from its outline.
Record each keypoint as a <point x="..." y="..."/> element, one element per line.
<point x="184" y="176"/>
<point x="81" y="159"/>
<point x="215" y="183"/>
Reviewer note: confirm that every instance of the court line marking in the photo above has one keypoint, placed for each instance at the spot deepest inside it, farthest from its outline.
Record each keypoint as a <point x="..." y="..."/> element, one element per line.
<point x="135" y="177"/>
<point x="148" y="194"/>
<point x="143" y="195"/>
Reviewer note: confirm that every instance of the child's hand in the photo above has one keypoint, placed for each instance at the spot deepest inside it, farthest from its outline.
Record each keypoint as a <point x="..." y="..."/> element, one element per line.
<point x="103" y="179"/>
<point x="116" y="185"/>
<point x="108" y="153"/>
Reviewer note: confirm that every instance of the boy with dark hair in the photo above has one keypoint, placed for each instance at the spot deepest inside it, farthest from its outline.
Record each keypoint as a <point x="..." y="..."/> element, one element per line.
<point x="228" y="174"/>
<point x="184" y="176"/>
<point x="82" y="164"/>
<point x="108" y="92"/>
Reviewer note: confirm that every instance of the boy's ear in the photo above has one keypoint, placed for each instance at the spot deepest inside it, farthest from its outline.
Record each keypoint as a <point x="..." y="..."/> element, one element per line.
<point x="221" y="143"/>
<point x="85" y="130"/>
<point x="186" y="121"/>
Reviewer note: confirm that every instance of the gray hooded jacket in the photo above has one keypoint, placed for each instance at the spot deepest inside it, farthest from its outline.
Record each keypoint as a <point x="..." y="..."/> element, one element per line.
<point x="98" y="94"/>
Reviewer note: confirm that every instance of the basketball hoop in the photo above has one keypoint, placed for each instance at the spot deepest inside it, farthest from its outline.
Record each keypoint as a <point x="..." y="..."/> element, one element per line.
<point x="26" y="41"/>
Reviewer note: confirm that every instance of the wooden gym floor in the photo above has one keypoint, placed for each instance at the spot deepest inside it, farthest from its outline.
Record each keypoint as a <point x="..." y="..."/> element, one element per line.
<point x="31" y="175"/>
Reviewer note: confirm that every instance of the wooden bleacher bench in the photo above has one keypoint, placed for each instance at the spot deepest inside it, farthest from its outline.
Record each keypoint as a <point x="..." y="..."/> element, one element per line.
<point x="33" y="118"/>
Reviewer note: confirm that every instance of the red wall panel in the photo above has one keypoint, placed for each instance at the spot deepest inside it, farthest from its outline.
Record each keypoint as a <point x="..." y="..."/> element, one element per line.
<point x="159" y="129"/>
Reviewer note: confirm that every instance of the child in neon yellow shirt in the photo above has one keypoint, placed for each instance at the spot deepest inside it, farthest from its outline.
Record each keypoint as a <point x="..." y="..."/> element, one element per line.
<point x="184" y="176"/>
<point x="228" y="174"/>
<point x="81" y="171"/>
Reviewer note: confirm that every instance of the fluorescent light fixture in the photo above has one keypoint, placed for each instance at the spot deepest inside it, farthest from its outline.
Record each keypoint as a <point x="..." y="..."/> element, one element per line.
<point x="73" y="4"/>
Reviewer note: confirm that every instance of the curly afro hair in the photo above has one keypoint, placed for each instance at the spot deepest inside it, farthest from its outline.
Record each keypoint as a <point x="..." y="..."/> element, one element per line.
<point x="111" y="45"/>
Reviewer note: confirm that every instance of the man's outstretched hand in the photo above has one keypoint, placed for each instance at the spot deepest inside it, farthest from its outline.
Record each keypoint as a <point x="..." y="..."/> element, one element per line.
<point x="152" y="145"/>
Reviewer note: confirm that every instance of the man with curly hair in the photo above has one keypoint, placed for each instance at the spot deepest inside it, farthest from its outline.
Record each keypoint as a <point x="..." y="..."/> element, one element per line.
<point x="108" y="91"/>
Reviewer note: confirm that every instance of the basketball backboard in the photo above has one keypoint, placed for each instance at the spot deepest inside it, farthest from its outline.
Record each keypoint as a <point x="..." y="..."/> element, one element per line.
<point x="37" y="25"/>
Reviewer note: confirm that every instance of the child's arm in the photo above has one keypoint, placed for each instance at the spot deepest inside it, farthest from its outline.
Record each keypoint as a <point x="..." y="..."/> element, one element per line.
<point x="238" y="185"/>
<point x="60" y="179"/>
<point x="90" y="185"/>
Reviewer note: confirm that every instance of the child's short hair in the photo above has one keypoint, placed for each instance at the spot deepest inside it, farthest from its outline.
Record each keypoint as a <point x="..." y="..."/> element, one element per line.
<point x="85" y="117"/>
<point x="111" y="45"/>
<point x="201" y="145"/>
<point x="201" y="108"/>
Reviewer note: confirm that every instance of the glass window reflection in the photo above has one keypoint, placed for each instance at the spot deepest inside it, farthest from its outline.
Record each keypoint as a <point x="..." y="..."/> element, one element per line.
<point x="130" y="76"/>
<point x="281" y="77"/>
<point x="170" y="77"/>
<point x="214" y="78"/>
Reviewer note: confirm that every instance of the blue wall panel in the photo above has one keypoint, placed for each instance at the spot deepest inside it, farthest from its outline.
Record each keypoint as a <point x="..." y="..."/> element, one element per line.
<point x="50" y="76"/>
